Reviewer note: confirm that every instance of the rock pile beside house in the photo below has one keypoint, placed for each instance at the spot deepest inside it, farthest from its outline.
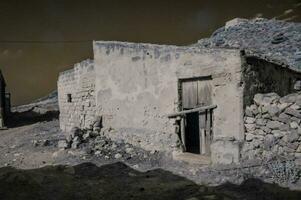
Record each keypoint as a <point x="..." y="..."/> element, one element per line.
<point x="273" y="129"/>
<point x="95" y="142"/>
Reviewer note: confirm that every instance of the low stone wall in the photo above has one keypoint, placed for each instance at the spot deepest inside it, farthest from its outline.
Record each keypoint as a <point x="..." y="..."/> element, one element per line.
<point x="76" y="96"/>
<point x="272" y="127"/>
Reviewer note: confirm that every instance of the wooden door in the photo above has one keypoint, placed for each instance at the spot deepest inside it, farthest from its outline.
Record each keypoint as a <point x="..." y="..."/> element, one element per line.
<point x="190" y="94"/>
<point x="197" y="93"/>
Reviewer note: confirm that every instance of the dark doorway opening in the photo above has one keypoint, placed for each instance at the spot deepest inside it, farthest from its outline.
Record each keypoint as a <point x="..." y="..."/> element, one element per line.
<point x="192" y="136"/>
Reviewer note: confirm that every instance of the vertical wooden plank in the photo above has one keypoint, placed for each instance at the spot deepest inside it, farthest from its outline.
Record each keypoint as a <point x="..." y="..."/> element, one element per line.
<point x="208" y="131"/>
<point x="202" y="126"/>
<point x="189" y="94"/>
<point x="204" y="92"/>
<point x="183" y="133"/>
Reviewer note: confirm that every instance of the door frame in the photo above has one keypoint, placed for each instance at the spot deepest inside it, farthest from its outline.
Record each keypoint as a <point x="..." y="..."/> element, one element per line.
<point x="180" y="108"/>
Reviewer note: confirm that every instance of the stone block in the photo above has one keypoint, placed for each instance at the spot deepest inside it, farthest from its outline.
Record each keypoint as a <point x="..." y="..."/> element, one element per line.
<point x="274" y="124"/>
<point x="249" y="137"/>
<point x="250" y="120"/>
<point x="293" y="145"/>
<point x="272" y="110"/>
<point x="284" y="118"/>
<point x="291" y="98"/>
<point x="266" y="129"/>
<point x="293" y="112"/>
<point x="283" y="106"/>
<point x="269" y="142"/>
<point x="250" y="127"/>
<point x="260" y="132"/>
<point x="278" y="134"/>
<point x="284" y="127"/>
<point x="235" y="22"/>
<point x="294" y="125"/>
<point x="292" y="136"/>
<point x="261" y="122"/>
<point x="248" y="112"/>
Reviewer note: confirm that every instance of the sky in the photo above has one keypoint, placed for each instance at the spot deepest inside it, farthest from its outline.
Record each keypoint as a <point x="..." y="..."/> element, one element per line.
<point x="40" y="38"/>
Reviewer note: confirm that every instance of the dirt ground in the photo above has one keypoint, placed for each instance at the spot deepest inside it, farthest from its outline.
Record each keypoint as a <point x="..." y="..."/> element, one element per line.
<point x="33" y="167"/>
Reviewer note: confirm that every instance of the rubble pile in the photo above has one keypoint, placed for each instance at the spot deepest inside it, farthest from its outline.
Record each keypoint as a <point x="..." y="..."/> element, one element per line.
<point x="96" y="143"/>
<point x="274" y="40"/>
<point x="273" y="128"/>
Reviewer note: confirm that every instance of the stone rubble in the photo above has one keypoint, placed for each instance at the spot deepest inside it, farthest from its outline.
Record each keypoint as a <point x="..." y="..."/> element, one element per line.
<point x="273" y="40"/>
<point x="273" y="128"/>
<point x="95" y="143"/>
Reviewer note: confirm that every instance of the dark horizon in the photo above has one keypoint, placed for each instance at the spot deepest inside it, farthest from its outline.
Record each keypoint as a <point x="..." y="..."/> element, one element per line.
<point x="39" y="39"/>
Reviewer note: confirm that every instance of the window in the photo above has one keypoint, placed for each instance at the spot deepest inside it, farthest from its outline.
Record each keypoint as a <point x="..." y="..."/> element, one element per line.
<point x="69" y="98"/>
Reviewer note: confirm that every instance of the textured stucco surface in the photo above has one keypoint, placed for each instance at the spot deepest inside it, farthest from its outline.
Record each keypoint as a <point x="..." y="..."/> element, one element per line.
<point x="137" y="86"/>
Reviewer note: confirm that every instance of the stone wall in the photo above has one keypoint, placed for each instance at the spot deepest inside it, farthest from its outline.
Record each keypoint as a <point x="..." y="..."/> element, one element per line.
<point x="76" y="96"/>
<point x="137" y="87"/>
<point x="273" y="127"/>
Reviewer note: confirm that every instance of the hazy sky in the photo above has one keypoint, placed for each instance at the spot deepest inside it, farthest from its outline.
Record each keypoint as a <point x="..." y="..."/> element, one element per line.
<point x="31" y="69"/>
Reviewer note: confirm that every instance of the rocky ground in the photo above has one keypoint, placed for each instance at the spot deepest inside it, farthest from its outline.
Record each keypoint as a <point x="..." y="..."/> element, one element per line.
<point x="274" y="40"/>
<point x="38" y="163"/>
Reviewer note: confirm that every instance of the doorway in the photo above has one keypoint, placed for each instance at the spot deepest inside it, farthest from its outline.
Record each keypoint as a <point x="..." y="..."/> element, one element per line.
<point x="192" y="136"/>
<point x="196" y="93"/>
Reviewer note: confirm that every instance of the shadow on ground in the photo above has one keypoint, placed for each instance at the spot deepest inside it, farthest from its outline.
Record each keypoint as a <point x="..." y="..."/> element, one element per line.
<point x="118" y="181"/>
<point x="17" y="119"/>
